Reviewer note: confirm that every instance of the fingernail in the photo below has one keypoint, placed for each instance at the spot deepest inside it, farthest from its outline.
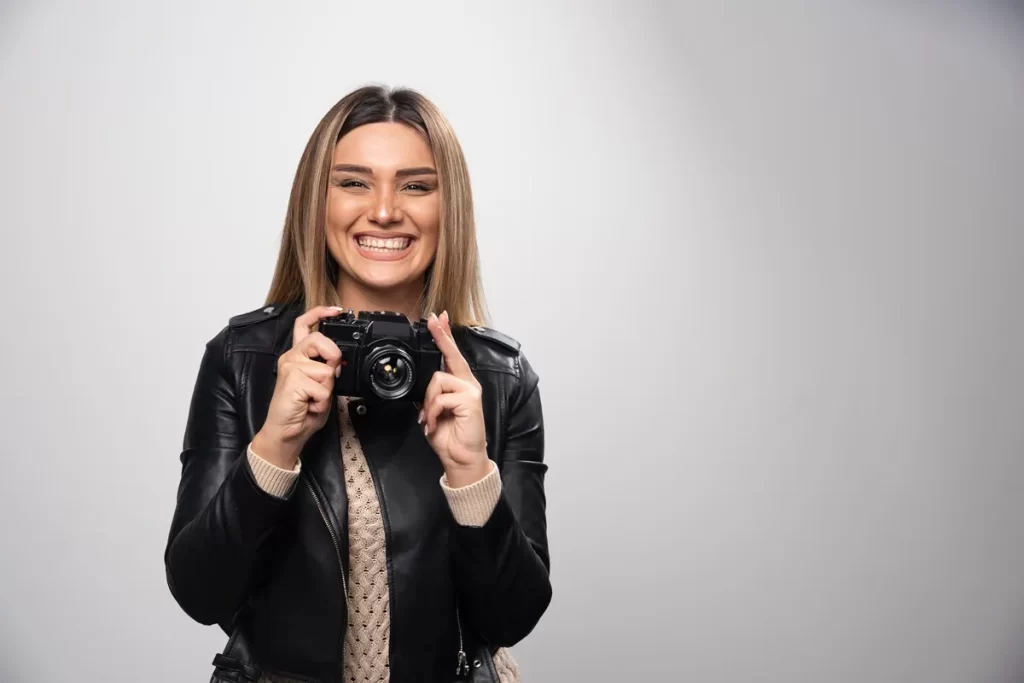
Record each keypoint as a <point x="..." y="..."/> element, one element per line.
<point x="420" y="418"/>
<point x="337" y="371"/>
<point x="444" y="314"/>
<point x="426" y="430"/>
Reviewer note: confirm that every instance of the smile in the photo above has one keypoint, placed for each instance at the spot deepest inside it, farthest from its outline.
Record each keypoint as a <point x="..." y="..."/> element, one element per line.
<point x="383" y="249"/>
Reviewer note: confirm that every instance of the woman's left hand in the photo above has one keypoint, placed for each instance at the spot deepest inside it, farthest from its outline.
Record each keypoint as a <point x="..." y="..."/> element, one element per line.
<point x="452" y="413"/>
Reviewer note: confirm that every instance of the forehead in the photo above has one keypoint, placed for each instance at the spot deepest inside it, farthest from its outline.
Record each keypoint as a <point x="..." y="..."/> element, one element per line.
<point x="383" y="146"/>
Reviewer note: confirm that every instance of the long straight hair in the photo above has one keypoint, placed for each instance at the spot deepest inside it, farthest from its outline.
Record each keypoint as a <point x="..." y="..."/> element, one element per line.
<point x="306" y="272"/>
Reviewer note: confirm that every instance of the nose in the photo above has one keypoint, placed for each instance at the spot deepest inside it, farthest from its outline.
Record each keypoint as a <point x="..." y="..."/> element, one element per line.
<point x="385" y="209"/>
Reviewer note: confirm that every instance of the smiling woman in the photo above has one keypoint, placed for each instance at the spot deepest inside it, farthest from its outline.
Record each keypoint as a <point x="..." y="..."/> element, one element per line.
<point x="337" y="536"/>
<point x="383" y="213"/>
<point x="382" y="165"/>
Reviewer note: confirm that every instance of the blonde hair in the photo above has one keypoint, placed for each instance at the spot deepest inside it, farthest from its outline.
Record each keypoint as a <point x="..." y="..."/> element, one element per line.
<point x="305" y="269"/>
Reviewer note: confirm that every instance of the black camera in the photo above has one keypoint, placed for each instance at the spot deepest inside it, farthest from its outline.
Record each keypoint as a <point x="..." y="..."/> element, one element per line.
<point x="384" y="356"/>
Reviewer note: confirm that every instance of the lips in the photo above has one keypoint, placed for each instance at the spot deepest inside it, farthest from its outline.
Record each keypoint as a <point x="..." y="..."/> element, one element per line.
<point x="383" y="248"/>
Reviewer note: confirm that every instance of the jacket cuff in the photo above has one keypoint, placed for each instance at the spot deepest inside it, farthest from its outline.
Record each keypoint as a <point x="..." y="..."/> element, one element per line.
<point x="472" y="505"/>
<point x="275" y="480"/>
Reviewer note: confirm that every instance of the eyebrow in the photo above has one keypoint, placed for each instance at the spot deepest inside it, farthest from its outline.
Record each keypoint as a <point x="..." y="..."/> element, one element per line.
<point x="402" y="173"/>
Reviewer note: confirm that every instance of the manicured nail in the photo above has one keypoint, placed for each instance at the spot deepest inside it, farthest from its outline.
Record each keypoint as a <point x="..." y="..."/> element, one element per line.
<point x="337" y="371"/>
<point x="426" y="430"/>
<point x="444" y="314"/>
<point x="420" y="418"/>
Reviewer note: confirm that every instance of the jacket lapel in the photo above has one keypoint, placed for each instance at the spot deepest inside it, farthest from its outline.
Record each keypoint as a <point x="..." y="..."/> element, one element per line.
<point x="321" y="462"/>
<point x="321" y="456"/>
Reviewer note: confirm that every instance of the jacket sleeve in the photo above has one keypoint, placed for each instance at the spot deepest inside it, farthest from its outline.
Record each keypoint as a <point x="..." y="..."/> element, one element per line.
<point x="223" y="518"/>
<point x="502" y="567"/>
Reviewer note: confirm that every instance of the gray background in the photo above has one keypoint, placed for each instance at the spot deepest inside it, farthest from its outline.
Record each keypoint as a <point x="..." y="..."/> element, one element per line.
<point x="765" y="257"/>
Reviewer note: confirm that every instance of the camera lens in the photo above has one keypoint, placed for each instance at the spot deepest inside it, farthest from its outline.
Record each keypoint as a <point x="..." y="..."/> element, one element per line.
<point x="390" y="372"/>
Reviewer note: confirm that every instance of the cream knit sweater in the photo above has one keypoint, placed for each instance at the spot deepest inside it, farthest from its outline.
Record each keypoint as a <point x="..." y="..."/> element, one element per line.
<point x="367" y="636"/>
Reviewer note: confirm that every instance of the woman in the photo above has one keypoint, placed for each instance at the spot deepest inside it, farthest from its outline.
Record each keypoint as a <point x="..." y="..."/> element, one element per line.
<point x="337" y="538"/>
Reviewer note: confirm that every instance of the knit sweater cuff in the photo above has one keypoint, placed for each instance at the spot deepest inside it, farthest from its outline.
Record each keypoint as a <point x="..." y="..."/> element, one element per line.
<point x="274" y="480"/>
<point x="472" y="505"/>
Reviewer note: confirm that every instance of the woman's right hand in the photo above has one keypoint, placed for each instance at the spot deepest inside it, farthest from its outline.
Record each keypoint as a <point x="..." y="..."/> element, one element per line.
<point x="302" y="393"/>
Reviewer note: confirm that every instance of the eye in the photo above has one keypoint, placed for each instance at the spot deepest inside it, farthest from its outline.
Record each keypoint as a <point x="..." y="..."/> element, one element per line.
<point x="351" y="182"/>
<point x="418" y="187"/>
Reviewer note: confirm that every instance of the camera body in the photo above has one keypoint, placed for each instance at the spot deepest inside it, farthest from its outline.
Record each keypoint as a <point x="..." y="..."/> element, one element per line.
<point x="384" y="356"/>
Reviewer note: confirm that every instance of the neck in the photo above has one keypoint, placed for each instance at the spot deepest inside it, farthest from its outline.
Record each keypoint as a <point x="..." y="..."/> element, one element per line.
<point x="404" y="300"/>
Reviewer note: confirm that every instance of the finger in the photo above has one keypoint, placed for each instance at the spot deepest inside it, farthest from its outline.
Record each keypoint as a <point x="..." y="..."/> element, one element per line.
<point x="447" y="327"/>
<point x="319" y="407"/>
<point x="314" y="347"/>
<point x="456" y="403"/>
<point x="433" y="390"/>
<point x="449" y="383"/>
<point x="454" y="362"/>
<point x="320" y="399"/>
<point x="318" y="372"/>
<point x="441" y="385"/>
<point x="307" y="390"/>
<point x="443" y="382"/>
<point x="304" y="323"/>
<point x="317" y="345"/>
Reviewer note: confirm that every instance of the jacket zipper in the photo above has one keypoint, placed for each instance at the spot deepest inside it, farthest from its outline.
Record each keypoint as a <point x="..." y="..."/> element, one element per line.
<point x="462" y="667"/>
<point x="341" y="566"/>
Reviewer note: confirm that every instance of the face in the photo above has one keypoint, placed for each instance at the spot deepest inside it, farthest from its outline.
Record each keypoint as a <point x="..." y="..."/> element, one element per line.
<point x="383" y="207"/>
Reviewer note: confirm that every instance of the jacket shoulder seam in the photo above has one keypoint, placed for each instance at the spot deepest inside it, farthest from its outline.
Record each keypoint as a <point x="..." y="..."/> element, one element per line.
<point x="495" y="336"/>
<point x="490" y="367"/>
<point x="252" y="348"/>
<point x="257" y="315"/>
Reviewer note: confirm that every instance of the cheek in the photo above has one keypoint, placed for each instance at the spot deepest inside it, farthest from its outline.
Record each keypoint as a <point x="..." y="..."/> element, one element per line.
<point x="341" y="211"/>
<point x="428" y="217"/>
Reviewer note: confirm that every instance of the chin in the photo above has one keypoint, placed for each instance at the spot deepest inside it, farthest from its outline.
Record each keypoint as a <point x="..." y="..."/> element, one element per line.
<point x="386" y="284"/>
<point x="384" y="277"/>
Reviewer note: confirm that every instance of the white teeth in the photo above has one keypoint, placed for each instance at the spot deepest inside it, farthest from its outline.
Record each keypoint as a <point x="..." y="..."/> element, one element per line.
<point x="391" y="244"/>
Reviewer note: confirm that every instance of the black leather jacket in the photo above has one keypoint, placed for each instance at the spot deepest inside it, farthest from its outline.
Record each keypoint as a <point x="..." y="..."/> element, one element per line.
<point x="270" y="571"/>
